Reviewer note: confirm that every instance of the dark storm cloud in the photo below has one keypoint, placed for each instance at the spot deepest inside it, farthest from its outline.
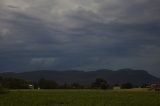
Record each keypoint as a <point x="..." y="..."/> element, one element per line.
<point x="80" y="35"/>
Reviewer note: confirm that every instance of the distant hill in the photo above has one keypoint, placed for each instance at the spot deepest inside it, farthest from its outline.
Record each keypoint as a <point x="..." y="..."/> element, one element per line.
<point x="71" y="76"/>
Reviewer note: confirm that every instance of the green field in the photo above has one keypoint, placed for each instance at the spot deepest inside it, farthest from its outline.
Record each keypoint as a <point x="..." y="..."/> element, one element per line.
<point x="80" y="98"/>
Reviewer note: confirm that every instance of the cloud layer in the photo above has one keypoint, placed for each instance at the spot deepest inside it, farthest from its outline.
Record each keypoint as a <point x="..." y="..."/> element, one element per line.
<point x="79" y="34"/>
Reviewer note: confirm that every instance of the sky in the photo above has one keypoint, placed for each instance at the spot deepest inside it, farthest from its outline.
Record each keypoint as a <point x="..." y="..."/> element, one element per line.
<point x="79" y="34"/>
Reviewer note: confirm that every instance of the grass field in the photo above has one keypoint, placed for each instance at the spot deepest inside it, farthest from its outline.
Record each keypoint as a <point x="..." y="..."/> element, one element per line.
<point x="80" y="98"/>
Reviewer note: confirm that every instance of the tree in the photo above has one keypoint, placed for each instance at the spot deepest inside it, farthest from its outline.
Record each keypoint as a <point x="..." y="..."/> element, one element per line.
<point x="14" y="83"/>
<point x="3" y="90"/>
<point x="100" y="84"/>
<point x="145" y="85"/>
<point x="47" y="84"/>
<point x="126" y="86"/>
<point x="77" y="86"/>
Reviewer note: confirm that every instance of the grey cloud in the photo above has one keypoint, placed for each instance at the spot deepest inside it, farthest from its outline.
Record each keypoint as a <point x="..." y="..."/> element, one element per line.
<point x="75" y="34"/>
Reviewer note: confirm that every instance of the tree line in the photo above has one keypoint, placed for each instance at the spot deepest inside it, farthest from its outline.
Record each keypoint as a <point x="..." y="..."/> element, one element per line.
<point x="15" y="83"/>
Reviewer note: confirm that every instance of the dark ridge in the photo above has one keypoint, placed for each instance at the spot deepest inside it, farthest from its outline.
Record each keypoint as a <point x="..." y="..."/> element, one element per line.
<point x="136" y="77"/>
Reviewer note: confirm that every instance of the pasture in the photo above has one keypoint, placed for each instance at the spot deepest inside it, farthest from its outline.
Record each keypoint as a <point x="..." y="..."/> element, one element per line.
<point x="80" y="98"/>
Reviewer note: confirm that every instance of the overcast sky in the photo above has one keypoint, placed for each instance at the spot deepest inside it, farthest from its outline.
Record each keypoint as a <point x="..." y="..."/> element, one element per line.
<point x="79" y="34"/>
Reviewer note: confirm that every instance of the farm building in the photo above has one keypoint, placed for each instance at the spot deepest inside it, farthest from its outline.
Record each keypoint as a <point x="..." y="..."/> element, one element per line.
<point x="155" y="86"/>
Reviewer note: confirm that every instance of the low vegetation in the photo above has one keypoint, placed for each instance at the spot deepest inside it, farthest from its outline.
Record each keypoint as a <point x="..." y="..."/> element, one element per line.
<point x="80" y="98"/>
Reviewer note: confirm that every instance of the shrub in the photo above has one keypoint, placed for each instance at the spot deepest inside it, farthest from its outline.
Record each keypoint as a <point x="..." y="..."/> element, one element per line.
<point x="100" y="84"/>
<point x="126" y="86"/>
<point x="3" y="90"/>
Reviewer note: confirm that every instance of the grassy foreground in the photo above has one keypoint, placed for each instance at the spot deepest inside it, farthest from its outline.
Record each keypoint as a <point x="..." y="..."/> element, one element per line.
<point x="79" y="98"/>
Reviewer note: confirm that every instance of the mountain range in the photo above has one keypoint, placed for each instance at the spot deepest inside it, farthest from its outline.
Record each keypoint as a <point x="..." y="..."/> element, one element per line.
<point x="86" y="77"/>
